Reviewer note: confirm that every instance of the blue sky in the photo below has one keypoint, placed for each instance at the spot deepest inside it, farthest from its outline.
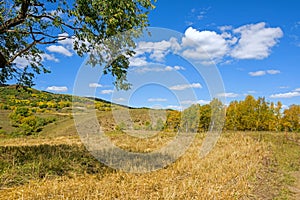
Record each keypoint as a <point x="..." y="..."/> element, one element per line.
<point x="252" y="46"/>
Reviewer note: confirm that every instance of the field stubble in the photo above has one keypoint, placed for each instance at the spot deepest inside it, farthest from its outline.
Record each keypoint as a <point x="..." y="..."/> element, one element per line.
<point x="237" y="168"/>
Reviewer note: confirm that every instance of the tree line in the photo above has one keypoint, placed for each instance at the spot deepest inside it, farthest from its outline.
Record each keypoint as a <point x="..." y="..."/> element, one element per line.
<point x="249" y="114"/>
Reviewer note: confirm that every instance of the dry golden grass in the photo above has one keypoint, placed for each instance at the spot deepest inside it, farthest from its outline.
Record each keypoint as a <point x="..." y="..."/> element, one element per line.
<point x="30" y="141"/>
<point x="228" y="172"/>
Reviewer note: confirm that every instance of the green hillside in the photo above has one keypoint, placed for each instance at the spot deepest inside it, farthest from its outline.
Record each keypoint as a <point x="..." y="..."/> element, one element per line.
<point x="37" y="111"/>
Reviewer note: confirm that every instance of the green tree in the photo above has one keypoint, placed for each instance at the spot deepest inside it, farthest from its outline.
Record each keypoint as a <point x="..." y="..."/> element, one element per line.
<point x="26" y="25"/>
<point x="159" y="125"/>
<point x="190" y="119"/>
<point x="217" y="115"/>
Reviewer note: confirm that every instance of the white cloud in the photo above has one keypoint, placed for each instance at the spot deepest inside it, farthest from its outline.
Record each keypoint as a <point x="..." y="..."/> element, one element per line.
<point x="107" y="91"/>
<point x="157" y="100"/>
<point x="297" y="89"/>
<point x="190" y="102"/>
<point x="257" y="73"/>
<point x="157" y="69"/>
<point x="175" y="68"/>
<point x="256" y="41"/>
<point x="95" y="85"/>
<point x="203" y="45"/>
<point x="67" y="40"/>
<point x="228" y="95"/>
<point x="57" y="88"/>
<point x="286" y="95"/>
<point x="262" y="72"/>
<point x="185" y="86"/>
<point x="158" y="50"/>
<point x="272" y="71"/>
<point x="21" y="62"/>
<point x="174" y="107"/>
<point x="251" y="41"/>
<point x="59" y="49"/>
<point x="51" y="57"/>
<point x="138" y="61"/>
<point x="225" y="28"/>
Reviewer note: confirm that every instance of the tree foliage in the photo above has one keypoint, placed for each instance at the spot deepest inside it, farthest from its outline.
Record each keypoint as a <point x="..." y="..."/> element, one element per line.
<point x="92" y="26"/>
<point x="249" y="114"/>
<point x="27" y="122"/>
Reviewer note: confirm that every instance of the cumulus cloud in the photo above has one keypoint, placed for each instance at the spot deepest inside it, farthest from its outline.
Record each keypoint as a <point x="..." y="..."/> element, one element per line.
<point x="250" y="41"/>
<point x="228" y="95"/>
<point x="286" y="95"/>
<point x="157" y="69"/>
<point x="174" y="107"/>
<point x="46" y="56"/>
<point x="138" y="61"/>
<point x="66" y="40"/>
<point x="107" y="91"/>
<point x="272" y="71"/>
<point x="256" y="41"/>
<point x="57" y="88"/>
<point x="297" y="89"/>
<point x="95" y="85"/>
<point x="158" y="50"/>
<point x="21" y="62"/>
<point x="185" y="86"/>
<point x="264" y="72"/>
<point x="190" y="102"/>
<point x="157" y="100"/>
<point x="203" y="45"/>
<point x="59" y="49"/>
<point x="225" y="28"/>
<point x="257" y="73"/>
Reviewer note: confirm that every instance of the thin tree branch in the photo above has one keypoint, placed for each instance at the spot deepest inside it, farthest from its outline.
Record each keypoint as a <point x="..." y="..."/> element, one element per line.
<point x="24" y="50"/>
<point x="17" y="20"/>
<point x="52" y="18"/>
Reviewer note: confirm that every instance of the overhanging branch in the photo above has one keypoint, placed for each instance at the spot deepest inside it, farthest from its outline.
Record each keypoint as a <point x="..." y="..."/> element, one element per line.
<point x="20" y="18"/>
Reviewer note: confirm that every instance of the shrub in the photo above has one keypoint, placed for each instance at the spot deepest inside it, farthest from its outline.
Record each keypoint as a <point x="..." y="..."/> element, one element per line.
<point x="28" y="123"/>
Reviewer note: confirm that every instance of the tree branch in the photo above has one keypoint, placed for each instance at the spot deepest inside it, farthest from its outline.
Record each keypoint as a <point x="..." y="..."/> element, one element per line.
<point x="24" y="50"/>
<point x="52" y="18"/>
<point x="17" y="20"/>
<point x="3" y="61"/>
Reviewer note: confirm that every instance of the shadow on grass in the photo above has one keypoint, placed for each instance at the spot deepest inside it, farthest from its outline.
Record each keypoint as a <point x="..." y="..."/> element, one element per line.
<point x="20" y="164"/>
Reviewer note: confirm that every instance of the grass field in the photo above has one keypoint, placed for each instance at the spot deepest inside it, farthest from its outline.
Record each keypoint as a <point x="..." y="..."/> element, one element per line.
<point x="243" y="165"/>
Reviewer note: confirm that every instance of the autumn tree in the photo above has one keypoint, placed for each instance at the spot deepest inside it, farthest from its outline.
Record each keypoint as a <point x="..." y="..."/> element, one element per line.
<point x="204" y="118"/>
<point x="233" y="116"/>
<point x="291" y="118"/>
<point x="91" y="25"/>
<point x="173" y="120"/>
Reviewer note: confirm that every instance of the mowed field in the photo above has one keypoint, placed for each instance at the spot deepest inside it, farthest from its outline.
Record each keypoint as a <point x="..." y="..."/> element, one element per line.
<point x="242" y="165"/>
